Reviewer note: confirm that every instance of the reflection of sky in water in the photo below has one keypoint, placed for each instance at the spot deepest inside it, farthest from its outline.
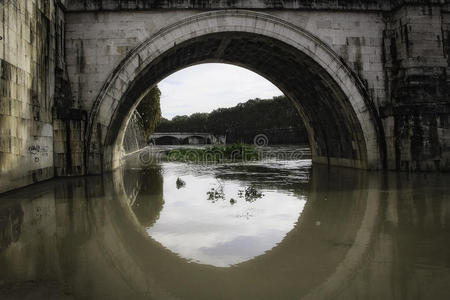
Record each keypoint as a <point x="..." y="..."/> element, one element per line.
<point x="221" y="234"/>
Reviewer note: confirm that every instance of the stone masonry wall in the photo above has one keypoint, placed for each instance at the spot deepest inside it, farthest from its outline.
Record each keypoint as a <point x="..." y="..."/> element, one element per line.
<point x="68" y="119"/>
<point x="416" y="116"/>
<point x="55" y="55"/>
<point x="86" y="5"/>
<point x="400" y="51"/>
<point x="97" y="42"/>
<point x="26" y="92"/>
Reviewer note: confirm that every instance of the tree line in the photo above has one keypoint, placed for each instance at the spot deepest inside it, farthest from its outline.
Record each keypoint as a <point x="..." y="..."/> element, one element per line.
<point x="277" y="118"/>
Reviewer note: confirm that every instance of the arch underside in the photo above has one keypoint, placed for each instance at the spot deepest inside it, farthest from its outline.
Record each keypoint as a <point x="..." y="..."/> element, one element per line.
<point x="339" y="122"/>
<point x="334" y="132"/>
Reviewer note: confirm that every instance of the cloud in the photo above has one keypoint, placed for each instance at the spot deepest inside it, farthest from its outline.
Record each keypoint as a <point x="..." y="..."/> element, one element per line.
<point x="221" y="234"/>
<point x="205" y="87"/>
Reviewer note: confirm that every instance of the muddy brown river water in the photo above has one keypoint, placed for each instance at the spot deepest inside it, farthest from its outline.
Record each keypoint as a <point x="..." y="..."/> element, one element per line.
<point x="272" y="229"/>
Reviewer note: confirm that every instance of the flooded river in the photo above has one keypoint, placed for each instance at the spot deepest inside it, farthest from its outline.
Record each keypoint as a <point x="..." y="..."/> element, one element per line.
<point x="278" y="228"/>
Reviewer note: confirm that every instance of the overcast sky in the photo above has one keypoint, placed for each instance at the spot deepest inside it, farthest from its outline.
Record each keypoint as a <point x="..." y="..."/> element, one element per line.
<point x="205" y="87"/>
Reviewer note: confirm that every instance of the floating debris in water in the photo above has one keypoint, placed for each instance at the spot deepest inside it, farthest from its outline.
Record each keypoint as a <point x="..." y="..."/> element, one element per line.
<point x="250" y="194"/>
<point x="216" y="194"/>
<point x="180" y="183"/>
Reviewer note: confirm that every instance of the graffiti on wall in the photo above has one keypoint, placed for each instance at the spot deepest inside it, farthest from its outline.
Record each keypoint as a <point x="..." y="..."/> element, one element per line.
<point x="37" y="152"/>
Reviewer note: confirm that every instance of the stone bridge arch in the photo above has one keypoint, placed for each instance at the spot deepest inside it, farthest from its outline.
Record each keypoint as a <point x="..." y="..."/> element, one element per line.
<point x="196" y="138"/>
<point x="165" y="139"/>
<point x="342" y="123"/>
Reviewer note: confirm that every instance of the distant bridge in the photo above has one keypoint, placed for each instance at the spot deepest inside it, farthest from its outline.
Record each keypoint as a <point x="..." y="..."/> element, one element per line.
<point x="186" y="138"/>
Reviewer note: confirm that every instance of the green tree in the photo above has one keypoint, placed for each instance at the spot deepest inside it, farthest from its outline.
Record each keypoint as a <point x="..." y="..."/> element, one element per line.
<point x="150" y="111"/>
<point x="243" y="121"/>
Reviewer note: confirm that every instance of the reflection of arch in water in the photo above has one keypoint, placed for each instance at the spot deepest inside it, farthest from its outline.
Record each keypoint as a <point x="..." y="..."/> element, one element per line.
<point x="102" y="243"/>
<point x="132" y="183"/>
<point x="11" y="218"/>
<point x="357" y="254"/>
<point x="327" y="253"/>
<point x="150" y="199"/>
<point x="94" y="241"/>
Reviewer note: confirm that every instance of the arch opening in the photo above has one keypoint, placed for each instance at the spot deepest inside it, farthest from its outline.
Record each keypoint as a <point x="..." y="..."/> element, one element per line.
<point x="340" y="119"/>
<point x="195" y="140"/>
<point x="166" y="140"/>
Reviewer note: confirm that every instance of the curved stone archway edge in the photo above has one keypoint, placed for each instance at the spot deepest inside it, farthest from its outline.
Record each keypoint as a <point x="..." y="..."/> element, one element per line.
<point x="105" y="108"/>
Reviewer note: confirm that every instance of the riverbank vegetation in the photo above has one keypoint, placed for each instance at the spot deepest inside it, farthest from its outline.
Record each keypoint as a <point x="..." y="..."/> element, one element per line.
<point x="230" y="153"/>
<point x="277" y="118"/>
